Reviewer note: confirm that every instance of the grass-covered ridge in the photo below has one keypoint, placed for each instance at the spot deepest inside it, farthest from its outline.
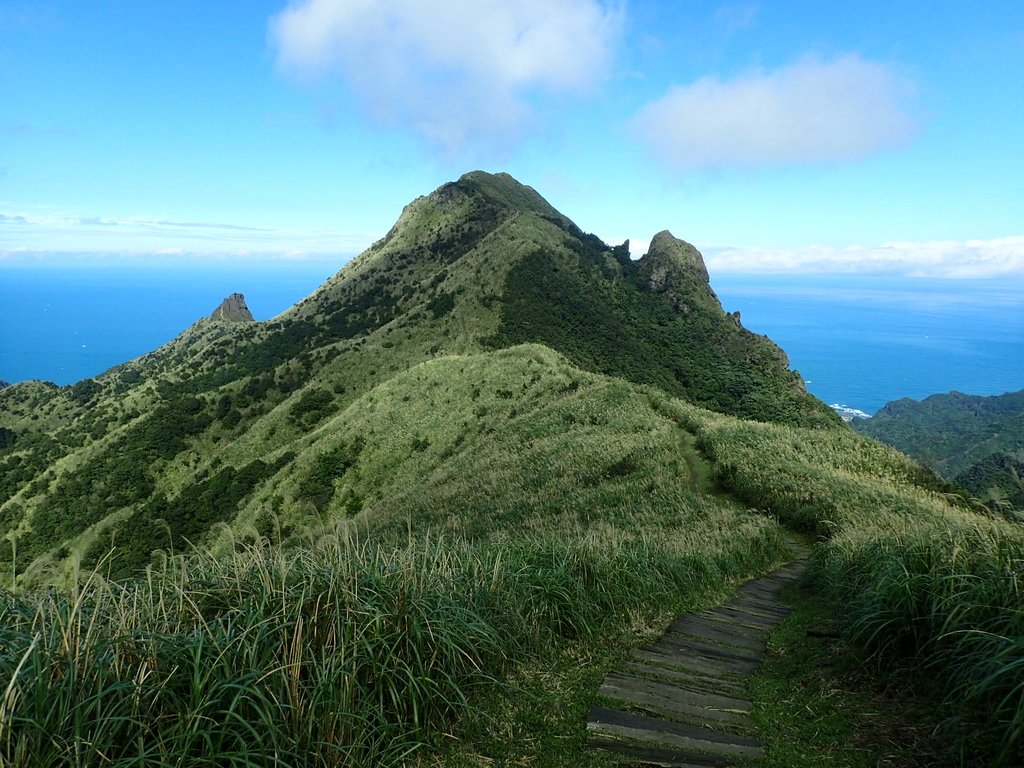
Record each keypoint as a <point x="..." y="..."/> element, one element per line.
<point x="361" y="639"/>
<point x="478" y="445"/>
<point x="217" y="426"/>
<point x="477" y="513"/>
<point x="926" y="583"/>
<point x="490" y="440"/>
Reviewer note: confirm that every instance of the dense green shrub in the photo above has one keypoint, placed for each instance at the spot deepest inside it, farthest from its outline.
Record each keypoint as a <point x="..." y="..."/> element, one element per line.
<point x="317" y="485"/>
<point x="312" y="407"/>
<point x="175" y="524"/>
<point x="617" y="326"/>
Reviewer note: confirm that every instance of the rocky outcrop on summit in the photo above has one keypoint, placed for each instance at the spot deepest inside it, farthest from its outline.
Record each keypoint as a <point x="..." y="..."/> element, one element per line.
<point x="233" y="310"/>
<point x="668" y="254"/>
<point x="675" y="268"/>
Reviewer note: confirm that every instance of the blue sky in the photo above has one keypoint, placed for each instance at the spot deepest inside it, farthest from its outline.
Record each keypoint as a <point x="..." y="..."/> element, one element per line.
<point x="776" y="136"/>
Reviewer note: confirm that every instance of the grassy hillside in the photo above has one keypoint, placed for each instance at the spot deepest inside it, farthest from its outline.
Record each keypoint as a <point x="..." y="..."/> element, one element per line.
<point x="926" y="585"/>
<point x="508" y="504"/>
<point x="571" y="508"/>
<point x="488" y="450"/>
<point x="216" y="427"/>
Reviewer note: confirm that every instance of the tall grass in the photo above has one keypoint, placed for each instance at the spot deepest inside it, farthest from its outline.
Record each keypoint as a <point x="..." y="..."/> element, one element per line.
<point x="945" y="596"/>
<point x="342" y="652"/>
<point x="926" y="585"/>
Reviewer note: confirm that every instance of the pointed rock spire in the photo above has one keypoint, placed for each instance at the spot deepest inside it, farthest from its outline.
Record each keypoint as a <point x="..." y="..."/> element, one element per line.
<point x="233" y="310"/>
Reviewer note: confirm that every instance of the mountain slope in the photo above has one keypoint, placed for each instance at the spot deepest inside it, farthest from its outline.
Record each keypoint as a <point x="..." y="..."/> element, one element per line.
<point x="653" y="321"/>
<point x="471" y="449"/>
<point x="978" y="442"/>
<point x="484" y="263"/>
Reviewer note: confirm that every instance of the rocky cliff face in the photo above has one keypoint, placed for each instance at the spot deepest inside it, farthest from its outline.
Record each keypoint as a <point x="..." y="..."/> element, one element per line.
<point x="233" y="310"/>
<point x="675" y="268"/>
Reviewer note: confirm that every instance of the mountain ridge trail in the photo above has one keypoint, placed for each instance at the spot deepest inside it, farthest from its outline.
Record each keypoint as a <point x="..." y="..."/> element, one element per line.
<point x="679" y="702"/>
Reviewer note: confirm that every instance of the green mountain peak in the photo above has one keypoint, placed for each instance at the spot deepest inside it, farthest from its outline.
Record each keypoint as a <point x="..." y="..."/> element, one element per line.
<point x="668" y="253"/>
<point x="475" y="447"/>
<point x="219" y="424"/>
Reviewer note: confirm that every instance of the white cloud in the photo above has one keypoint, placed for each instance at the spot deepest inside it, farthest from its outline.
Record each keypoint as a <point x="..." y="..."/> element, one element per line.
<point x="733" y="17"/>
<point x="458" y="72"/>
<point x="959" y="259"/>
<point x="808" y="112"/>
<point x="60" y="232"/>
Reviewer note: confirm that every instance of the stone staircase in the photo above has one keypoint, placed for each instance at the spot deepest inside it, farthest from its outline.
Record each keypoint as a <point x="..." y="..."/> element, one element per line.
<point x="680" y="701"/>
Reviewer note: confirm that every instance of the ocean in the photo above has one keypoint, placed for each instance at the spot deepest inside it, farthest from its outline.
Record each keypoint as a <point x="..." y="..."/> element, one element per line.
<point x="66" y="324"/>
<point x="860" y="342"/>
<point x="857" y="341"/>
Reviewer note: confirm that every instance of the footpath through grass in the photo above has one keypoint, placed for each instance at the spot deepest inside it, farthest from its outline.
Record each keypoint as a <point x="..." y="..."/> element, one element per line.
<point x="926" y="585"/>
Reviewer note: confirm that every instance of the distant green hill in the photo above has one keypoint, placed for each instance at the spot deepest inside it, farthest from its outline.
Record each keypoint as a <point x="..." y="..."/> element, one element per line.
<point x="977" y="442"/>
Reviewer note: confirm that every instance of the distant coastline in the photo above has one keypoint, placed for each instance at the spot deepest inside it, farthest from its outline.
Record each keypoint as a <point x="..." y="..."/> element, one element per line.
<point x="849" y="414"/>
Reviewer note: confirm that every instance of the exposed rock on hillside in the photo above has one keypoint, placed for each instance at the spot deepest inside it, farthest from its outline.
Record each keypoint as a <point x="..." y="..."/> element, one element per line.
<point x="668" y="254"/>
<point x="675" y="268"/>
<point x="233" y="310"/>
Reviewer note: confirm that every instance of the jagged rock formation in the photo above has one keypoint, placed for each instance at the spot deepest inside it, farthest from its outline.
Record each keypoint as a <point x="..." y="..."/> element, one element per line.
<point x="666" y="255"/>
<point x="233" y="310"/>
<point x="675" y="268"/>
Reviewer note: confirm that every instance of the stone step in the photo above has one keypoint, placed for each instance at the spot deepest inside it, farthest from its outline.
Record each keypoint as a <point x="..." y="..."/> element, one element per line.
<point x="652" y="731"/>
<point x="674" y="703"/>
<point x="717" y="630"/>
<point x="666" y="757"/>
<point x="688" y="685"/>
<point x="719" y="701"/>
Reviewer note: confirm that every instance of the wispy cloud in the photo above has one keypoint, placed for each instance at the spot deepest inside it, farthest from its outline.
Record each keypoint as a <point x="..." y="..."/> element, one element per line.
<point x="811" y="111"/>
<point x="55" y="232"/>
<point x="960" y="259"/>
<point x="460" y="73"/>
<point x="733" y="17"/>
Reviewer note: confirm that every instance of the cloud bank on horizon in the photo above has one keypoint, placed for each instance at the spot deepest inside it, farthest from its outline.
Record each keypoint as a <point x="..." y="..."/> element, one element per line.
<point x="155" y="240"/>
<point x="40" y="235"/>
<point x="949" y="259"/>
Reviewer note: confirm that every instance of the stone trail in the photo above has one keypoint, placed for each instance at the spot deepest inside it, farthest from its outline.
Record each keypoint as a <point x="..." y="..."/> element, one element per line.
<point x="679" y="702"/>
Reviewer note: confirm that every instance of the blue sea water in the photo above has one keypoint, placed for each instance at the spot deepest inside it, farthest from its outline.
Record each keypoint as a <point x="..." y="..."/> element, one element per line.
<point x="863" y="341"/>
<point x="64" y="324"/>
<point x="858" y="341"/>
